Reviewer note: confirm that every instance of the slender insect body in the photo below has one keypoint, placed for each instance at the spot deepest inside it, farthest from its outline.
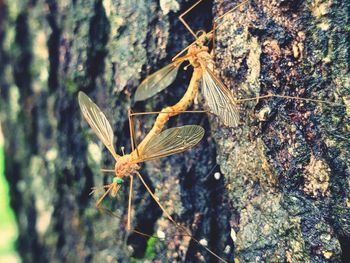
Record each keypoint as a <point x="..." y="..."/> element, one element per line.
<point x="207" y="58"/>
<point x="191" y="92"/>
<point x="174" y="110"/>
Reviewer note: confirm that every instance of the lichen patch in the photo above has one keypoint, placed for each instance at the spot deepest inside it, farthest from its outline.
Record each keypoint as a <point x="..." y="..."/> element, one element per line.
<point x="169" y="5"/>
<point x="320" y="8"/>
<point x="316" y="178"/>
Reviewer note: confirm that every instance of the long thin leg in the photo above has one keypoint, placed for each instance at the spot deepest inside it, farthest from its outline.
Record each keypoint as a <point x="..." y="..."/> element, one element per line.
<point x="156" y="199"/>
<point x="130" y="129"/>
<point x="184" y="22"/>
<point x="98" y="203"/>
<point x="107" y="170"/>
<point x="110" y="213"/>
<point x="116" y="189"/>
<point x="214" y="34"/>
<point x="184" y="50"/>
<point x="129" y="203"/>
<point x="212" y="31"/>
<point x="289" y="97"/>
<point x="215" y="24"/>
<point x="132" y="132"/>
<point x="174" y="222"/>
<point x="165" y="112"/>
<point x="231" y="10"/>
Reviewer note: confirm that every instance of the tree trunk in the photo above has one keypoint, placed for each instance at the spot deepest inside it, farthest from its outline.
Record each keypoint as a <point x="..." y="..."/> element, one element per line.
<point x="283" y="194"/>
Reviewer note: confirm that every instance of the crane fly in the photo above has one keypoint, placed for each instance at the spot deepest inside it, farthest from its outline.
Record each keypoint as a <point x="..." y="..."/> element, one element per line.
<point x="219" y="98"/>
<point x="168" y="142"/>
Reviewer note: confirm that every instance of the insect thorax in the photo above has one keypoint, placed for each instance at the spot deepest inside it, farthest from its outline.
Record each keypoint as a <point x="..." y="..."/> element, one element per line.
<point x="125" y="167"/>
<point x="196" y="53"/>
<point x="207" y="58"/>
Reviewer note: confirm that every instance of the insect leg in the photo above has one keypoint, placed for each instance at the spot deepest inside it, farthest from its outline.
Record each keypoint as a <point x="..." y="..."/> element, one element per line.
<point x="184" y="50"/>
<point x="110" y="213"/>
<point x="156" y="199"/>
<point x="98" y="203"/>
<point x="167" y="112"/>
<point x="174" y="222"/>
<point x="132" y="132"/>
<point x="213" y="39"/>
<point x="129" y="203"/>
<point x="231" y="10"/>
<point x="107" y="170"/>
<point x="289" y="97"/>
<point x="184" y="22"/>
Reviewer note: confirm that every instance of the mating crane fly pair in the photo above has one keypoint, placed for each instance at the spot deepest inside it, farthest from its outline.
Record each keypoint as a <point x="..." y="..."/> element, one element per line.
<point x="158" y="143"/>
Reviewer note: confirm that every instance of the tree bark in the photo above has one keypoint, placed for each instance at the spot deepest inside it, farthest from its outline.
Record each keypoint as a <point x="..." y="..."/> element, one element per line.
<point x="283" y="194"/>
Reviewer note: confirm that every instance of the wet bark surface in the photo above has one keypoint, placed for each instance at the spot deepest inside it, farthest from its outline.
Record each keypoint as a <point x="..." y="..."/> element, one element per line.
<point x="283" y="192"/>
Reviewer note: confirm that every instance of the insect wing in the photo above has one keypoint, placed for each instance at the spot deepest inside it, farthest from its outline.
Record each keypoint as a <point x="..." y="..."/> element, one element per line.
<point x="97" y="121"/>
<point x="219" y="98"/>
<point x="158" y="81"/>
<point x="171" y="141"/>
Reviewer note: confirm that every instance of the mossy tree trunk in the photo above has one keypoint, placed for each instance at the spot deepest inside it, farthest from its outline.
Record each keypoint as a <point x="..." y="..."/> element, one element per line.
<point x="283" y="194"/>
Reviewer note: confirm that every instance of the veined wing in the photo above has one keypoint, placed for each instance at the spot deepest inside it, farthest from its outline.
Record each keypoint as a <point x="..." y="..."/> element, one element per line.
<point x="97" y="121"/>
<point x="171" y="141"/>
<point x="219" y="98"/>
<point x="158" y="81"/>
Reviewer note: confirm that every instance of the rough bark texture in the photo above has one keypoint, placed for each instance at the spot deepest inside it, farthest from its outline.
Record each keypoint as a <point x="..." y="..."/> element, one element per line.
<point x="284" y="193"/>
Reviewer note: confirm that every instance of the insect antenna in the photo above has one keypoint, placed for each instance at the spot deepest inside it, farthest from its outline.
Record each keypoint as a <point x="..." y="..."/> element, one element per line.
<point x="213" y="40"/>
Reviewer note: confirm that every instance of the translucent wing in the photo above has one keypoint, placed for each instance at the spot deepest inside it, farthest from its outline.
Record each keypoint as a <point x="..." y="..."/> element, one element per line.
<point x="219" y="98"/>
<point x="171" y="141"/>
<point x="97" y="121"/>
<point x="158" y="81"/>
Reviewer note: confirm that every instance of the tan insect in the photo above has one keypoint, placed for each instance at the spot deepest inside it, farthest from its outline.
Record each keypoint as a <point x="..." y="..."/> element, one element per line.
<point x="168" y="142"/>
<point x="219" y="98"/>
